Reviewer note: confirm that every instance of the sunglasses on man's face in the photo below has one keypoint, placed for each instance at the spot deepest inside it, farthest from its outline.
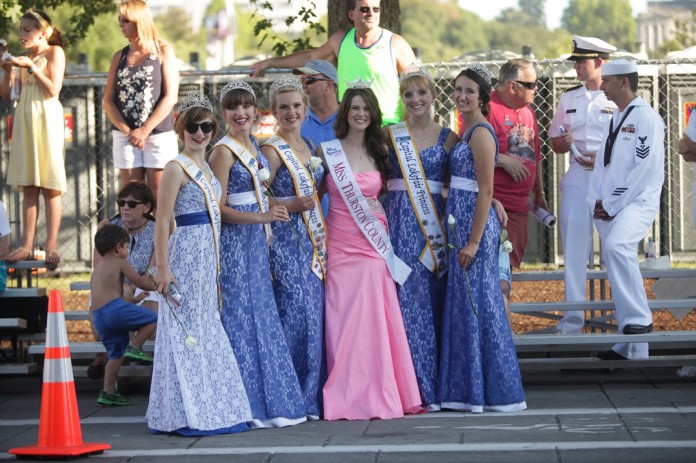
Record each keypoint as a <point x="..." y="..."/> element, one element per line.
<point x="311" y="80"/>
<point x="528" y="85"/>
<point x="366" y="9"/>
<point x="192" y="127"/>
<point x="132" y="203"/>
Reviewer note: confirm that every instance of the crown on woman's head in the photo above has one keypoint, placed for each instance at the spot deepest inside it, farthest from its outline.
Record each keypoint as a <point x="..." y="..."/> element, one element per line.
<point x="236" y="84"/>
<point x="359" y="83"/>
<point x="193" y="100"/>
<point x="285" y="83"/>
<point x="414" y="70"/>
<point x="482" y="71"/>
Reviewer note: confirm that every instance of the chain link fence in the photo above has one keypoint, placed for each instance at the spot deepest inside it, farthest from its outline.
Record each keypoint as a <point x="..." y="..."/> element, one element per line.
<point x="670" y="86"/>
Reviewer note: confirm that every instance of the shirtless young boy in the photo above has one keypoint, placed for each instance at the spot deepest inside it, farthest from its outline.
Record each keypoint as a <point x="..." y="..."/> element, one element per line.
<point x="113" y="317"/>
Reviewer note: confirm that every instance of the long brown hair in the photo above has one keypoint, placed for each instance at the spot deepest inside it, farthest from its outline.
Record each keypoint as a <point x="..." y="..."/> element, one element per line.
<point x="56" y="37"/>
<point x="375" y="140"/>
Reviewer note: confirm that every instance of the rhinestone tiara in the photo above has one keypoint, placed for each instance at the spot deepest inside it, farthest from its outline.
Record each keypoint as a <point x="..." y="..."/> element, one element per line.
<point x="482" y="71"/>
<point x="414" y="70"/>
<point x="193" y="100"/>
<point x="359" y="83"/>
<point x="236" y="84"/>
<point x="285" y="83"/>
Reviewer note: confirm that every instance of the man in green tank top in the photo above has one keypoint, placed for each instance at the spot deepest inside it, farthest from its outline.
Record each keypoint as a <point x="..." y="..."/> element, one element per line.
<point x="366" y="52"/>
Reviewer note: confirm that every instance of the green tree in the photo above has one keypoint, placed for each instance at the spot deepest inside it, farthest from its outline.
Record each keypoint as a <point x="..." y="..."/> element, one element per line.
<point x="315" y="29"/>
<point x="83" y="14"/>
<point x="283" y="44"/>
<point x="175" y="28"/>
<point x="534" y="10"/>
<point x="611" y="21"/>
<point x="246" y="43"/>
<point x="440" y="31"/>
<point x="100" y="42"/>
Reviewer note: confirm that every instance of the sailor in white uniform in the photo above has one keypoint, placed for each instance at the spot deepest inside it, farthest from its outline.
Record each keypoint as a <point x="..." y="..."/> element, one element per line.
<point x="581" y="116"/>
<point x="625" y="196"/>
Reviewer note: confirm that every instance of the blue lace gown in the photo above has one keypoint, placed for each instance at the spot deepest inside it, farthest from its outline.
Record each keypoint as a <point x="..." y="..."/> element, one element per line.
<point x="422" y="294"/>
<point x="478" y="362"/>
<point x="250" y="316"/>
<point x="195" y="390"/>
<point x="299" y="295"/>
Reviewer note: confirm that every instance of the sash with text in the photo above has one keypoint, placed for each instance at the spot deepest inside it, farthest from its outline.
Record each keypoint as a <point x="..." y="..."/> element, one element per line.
<point x="434" y="255"/>
<point x="304" y="186"/>
<point x="360" y="210"/>
<point x="211" y="200"/>
<point x="252" y="165"/>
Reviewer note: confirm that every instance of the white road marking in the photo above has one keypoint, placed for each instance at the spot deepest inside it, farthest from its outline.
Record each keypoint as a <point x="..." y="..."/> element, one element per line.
<point x="427" y="416"/>
<point x="409" y="448"/>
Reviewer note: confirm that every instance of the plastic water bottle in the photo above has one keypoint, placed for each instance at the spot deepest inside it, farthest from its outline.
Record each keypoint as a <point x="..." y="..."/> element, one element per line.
<point x="16" y="90"/>
<point x="173" y="292"/>
<point x="650" y="251"/>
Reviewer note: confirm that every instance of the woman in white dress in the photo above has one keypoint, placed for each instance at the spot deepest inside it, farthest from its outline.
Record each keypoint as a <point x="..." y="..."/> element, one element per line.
<point x="196" y="385"/>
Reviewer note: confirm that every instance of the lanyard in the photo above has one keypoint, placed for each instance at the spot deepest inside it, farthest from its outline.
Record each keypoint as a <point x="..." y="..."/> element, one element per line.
<point x="609" y="146"/>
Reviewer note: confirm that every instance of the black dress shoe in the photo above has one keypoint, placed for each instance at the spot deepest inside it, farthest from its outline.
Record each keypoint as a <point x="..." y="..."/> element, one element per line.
<point x="610" y="355"/>
<point x="637" y="329"/>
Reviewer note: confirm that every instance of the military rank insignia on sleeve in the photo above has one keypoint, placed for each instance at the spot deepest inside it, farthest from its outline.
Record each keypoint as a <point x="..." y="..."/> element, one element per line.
<point x="642" y="150"/>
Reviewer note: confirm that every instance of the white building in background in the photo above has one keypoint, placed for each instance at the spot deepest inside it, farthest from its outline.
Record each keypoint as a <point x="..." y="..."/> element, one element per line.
<point x="194" y="8"/>
<point x="221" y="27"/>
<point x="659" y="23"/>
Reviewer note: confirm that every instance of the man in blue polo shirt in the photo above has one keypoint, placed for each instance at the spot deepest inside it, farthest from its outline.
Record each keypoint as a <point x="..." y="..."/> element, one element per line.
<point x="319" y="81"/>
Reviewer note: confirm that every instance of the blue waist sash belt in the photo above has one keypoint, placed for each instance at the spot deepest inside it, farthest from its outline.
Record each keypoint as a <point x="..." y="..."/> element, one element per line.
<point x="195" y="218"/>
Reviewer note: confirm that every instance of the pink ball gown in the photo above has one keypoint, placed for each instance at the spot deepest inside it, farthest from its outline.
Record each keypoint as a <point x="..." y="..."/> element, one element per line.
<point x="370" y="371"/>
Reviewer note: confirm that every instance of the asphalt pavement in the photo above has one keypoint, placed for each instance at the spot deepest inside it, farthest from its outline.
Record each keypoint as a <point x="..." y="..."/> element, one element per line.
<point x="622" y="416"/>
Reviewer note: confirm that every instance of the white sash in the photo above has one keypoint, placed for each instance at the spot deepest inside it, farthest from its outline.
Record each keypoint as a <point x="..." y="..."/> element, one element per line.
<point x="212" y="201"/>
<point x="241" y="199"/>
<point x="252" y="166"/>
<point x="368" y="224"/>
<point x="304" y="186"/>
<point x="434" y="255"/>
<point x="462" y="183"/>
<point x="398" y="184"/>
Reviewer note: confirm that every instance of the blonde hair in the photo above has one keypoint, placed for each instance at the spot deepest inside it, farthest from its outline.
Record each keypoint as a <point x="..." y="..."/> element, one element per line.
<point x="138" y="11"/>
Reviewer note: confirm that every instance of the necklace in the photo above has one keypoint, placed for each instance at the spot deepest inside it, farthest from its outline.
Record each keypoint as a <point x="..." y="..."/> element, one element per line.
<point x="131" y="230"/>
<point x="427" y="133"/>
<point x="302" y="151"/>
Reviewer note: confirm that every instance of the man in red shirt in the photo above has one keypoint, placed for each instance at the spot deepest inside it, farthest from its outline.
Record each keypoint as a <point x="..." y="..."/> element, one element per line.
<point x="518" y="169"/>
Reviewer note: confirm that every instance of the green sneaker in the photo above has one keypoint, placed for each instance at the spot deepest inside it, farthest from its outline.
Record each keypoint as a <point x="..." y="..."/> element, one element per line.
<point x="113" y="398"/>
<point x="138" y="354"/>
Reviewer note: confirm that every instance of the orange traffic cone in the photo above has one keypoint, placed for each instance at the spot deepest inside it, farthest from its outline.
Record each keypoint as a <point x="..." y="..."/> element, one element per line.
<point x="60" y="434"/>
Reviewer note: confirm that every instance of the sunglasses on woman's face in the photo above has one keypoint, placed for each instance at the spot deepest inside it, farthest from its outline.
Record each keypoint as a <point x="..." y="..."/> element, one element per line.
<point x="192" y="127"/>
<point x="132" y="203"/>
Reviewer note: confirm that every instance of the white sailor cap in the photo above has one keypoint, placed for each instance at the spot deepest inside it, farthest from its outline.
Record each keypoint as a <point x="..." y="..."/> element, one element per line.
<point x="619" y="67"/>
<point x="590" y="48"/>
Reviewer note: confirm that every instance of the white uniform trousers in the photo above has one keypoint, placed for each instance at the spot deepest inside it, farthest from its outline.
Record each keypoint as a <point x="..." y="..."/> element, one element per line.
<point x="575" y="220"/>
<point x="620" y="238"/>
